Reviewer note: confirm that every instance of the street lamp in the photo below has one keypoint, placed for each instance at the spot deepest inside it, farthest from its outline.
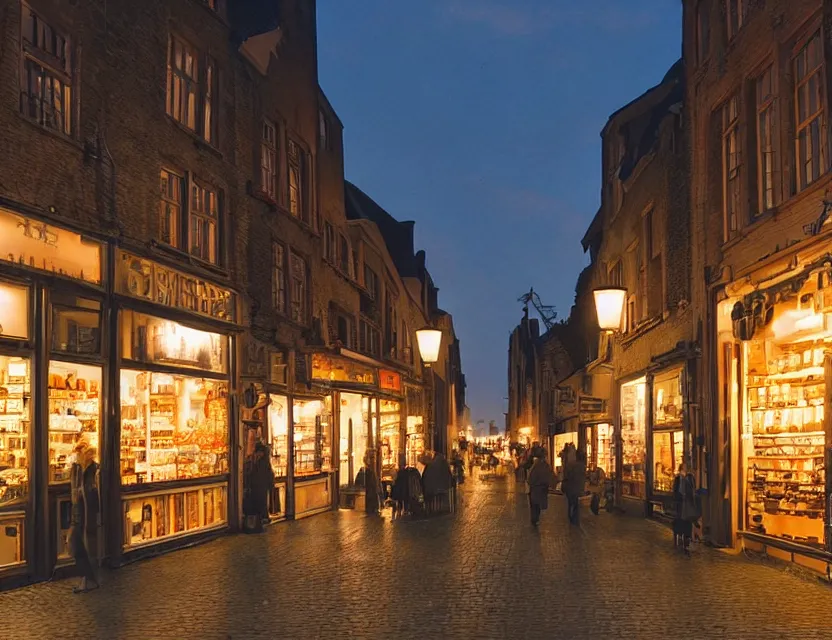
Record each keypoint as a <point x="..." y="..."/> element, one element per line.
<point x="609" y="307"/>
<point x="429" y="340"/>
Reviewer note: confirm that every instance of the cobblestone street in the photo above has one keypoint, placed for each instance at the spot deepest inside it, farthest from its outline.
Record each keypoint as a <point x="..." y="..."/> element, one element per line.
<point x="481" y="573"/>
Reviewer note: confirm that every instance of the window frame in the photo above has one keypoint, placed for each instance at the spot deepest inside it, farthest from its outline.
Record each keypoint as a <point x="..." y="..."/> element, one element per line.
<point x="765" y="115"/>
<point x="374" y="290"/>
<point x="298" y="299"/>
<point x="57" y="69"/>
<point x="165" y="199"/>
<point x="741" y="9"/>
<point x="269" y="148"/>
<point x="204" y="217"/>
<point x="820" y="115"/>
<point x="279" y="277"/>
<point x="324" y="131"/>
<point x="730" y="174"/>
<point x="296" y="166"/>
<point x="203" y="82"/>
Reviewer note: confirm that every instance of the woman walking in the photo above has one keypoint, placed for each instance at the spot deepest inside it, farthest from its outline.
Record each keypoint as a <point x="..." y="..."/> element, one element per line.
<point x="684" y="499"/>
<point x="540" y="479"/>
<point x="86" y="515"/>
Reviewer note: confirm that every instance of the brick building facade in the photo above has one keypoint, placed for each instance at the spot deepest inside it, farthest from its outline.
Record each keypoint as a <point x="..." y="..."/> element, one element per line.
<point x="758" y="101"/>
<point x="180" y="279"/>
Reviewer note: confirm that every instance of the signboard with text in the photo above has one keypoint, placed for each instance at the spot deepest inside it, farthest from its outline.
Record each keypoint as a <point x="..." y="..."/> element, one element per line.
<point x="389" y="380"/>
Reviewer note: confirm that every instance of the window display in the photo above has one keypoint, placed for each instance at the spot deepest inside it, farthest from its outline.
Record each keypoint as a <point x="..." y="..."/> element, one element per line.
<point x="633" y="437"/>
<point x="154" y="340"/>
<point x="279" y="432"/>
<point x="668" y="435"/>
<point x="76" y="324"/>
<point x="668" y="453"/>
<point x="606" y="453"/>
<point x="667" y="399"/>
<point x="784" y="436"/>
<point x="390" y="438"/>
<point x="15" y="420"/>
<point x="172" y="427"/>
<point x="415" y="445"/>
<point x="354" y="438"/>
<point x="74" y="414"/>
<point x="149" y="518"/>
<point x="313" y="436"/>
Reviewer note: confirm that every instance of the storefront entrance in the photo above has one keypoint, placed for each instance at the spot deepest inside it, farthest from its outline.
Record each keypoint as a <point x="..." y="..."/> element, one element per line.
<point x="633" y="410"/>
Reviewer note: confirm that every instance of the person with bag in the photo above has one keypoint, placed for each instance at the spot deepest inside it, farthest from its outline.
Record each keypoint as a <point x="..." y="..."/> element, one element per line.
<point x="86" y="515"/>
<point x="686" y="511"/>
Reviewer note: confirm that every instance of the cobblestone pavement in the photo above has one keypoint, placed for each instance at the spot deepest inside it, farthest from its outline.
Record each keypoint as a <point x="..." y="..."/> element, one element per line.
<point x="483" y="572"/>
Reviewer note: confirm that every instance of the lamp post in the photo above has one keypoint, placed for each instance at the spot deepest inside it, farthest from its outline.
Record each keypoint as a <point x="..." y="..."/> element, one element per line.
<point x="609" y="308"/>
<point x="429" y="341"/>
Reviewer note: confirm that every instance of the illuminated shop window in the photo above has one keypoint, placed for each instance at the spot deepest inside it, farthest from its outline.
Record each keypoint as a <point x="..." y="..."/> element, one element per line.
<point x="633" y="437"/>
<point x="158" y="341"/>
<point x="313" y="436"/>
<point x="15" y="421"/>
<point x="173" y="427"/>
<point x="14" y="311"/>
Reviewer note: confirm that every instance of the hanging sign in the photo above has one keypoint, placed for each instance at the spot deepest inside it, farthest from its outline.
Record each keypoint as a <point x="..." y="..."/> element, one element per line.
<point x="148" y="280"/>
<point x="330" y="369"/>
<point x="34" y="244"/>
<point x="389" y="380"/>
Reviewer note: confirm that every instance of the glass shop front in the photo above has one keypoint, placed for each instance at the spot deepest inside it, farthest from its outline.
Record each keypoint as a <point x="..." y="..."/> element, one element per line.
<point x="633" y="410"/>
<point x="312" y="438"/>
<point x="52" y="384"/>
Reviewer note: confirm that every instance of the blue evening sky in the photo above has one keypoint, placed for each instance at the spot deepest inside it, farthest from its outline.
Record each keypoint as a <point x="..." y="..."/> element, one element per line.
<point x="480" y="120"/>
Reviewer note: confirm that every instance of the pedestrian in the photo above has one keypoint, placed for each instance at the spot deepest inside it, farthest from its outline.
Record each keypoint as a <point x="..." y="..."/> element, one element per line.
<point x="686" y="512"/>
<point x="437" y="480"/>
<point x="86" y="515"/>
<point x="541" y="478"/>
<point x="575" y="481"/>
<point x="597" y="486"/>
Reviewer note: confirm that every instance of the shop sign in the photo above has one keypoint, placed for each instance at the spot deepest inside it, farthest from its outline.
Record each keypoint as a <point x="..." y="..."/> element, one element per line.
<point x="389" y="380"/>
<point x="148" y="280"/>
<point x="37" y="245"/>
<point x="331" y="369"/>
<point x="588" y="404"/>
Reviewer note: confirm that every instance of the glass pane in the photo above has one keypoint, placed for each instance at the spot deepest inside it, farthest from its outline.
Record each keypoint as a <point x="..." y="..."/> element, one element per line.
<point x="173" y="427"/>
<point x="76" y="325"/>
<point x="309" y="419"/>
<point x="150" y="339"/>
<point x="667" y="399"/>
<point x="11" y="550"/>
<point x="279" y="431"/>
<point x="14" y="311"/>
<point x="633" y="436"/>
<point x="15" y="418"/>
<point x="390" y="438"/>
<point x="606" y="456"/>
<point x="663" y="461"/>
<point x="74" y="416"/>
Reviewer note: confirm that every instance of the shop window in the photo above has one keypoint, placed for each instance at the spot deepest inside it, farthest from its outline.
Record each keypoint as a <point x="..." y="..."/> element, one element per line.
<point x="313" y="436"/>
<point x="633" y="437"/>
<point x="14" y="311"/>
<point x="811" y="133"/>
<point x="46" y="84"/>
<point x="76" y="325"/>
<point x="173" y="427"/>
<point x="154" y="340"/>
<point x="15" y="421"/>
<point x="279" y="434"/>
<point x="606" y="453"/>
<point x="152" y="518"/>
<point x="668" y="400"/>
<point x="390" y="437"/>
<point x="11" y="540"/>
<point x="353" y="437"/>
<point x="74" y="415"/>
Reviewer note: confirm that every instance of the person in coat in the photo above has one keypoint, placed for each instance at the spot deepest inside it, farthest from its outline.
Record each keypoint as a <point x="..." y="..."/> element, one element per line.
<point x="437" y="480"/>
<point x="540" y="479"/>
<point x="575" y="483"/>
<point x="400" y="493"/>
<point x="86" y="515"/>
<point x="686" y="513"/>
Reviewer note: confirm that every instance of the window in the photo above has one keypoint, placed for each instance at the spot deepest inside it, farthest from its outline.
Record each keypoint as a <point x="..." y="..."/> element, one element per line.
<point x="370" y="281"/>
<point x="632" y="312"/>
<point x="703" y="30"/>
<point x="652" y="272"/>
<point x="345" y="255"/>
<point x="766" y="139"/>
<point x="297" y="182"/>
<point x="407" y="349"/>
<point x="809" y="109"/>
<point x="191" y="98"/>
<point x="278" y="278"/>
<point x="323" y="131"/>
<point x="204" y="216"/>
<point x="731" y="165"/>
<point x="76" y="324"/>
<point x="736" y="12"/>
<point x="368" y="338"/>
<point x="46" y="80"/>
<point x="297" y="268"/>
<point x="391" y="326"/>
<point x="170" y="207"/>
<point x="268" y="160"/>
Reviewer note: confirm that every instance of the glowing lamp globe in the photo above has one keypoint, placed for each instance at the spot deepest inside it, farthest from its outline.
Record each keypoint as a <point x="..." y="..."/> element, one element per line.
<point x="429" y="342"/>
<point x="609" y="307"/>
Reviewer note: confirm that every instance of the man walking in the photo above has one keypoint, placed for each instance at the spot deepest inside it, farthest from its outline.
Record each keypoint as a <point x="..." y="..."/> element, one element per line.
<point x="540" y="479"/>
<point x="575" y="483"/>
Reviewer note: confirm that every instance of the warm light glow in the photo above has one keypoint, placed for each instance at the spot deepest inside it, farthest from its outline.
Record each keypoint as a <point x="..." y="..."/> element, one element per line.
<point x="14" y="311"/>
<point x="796" y="320"/>
<point x="429" y="342"/>
<point x="609" y="307"/>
